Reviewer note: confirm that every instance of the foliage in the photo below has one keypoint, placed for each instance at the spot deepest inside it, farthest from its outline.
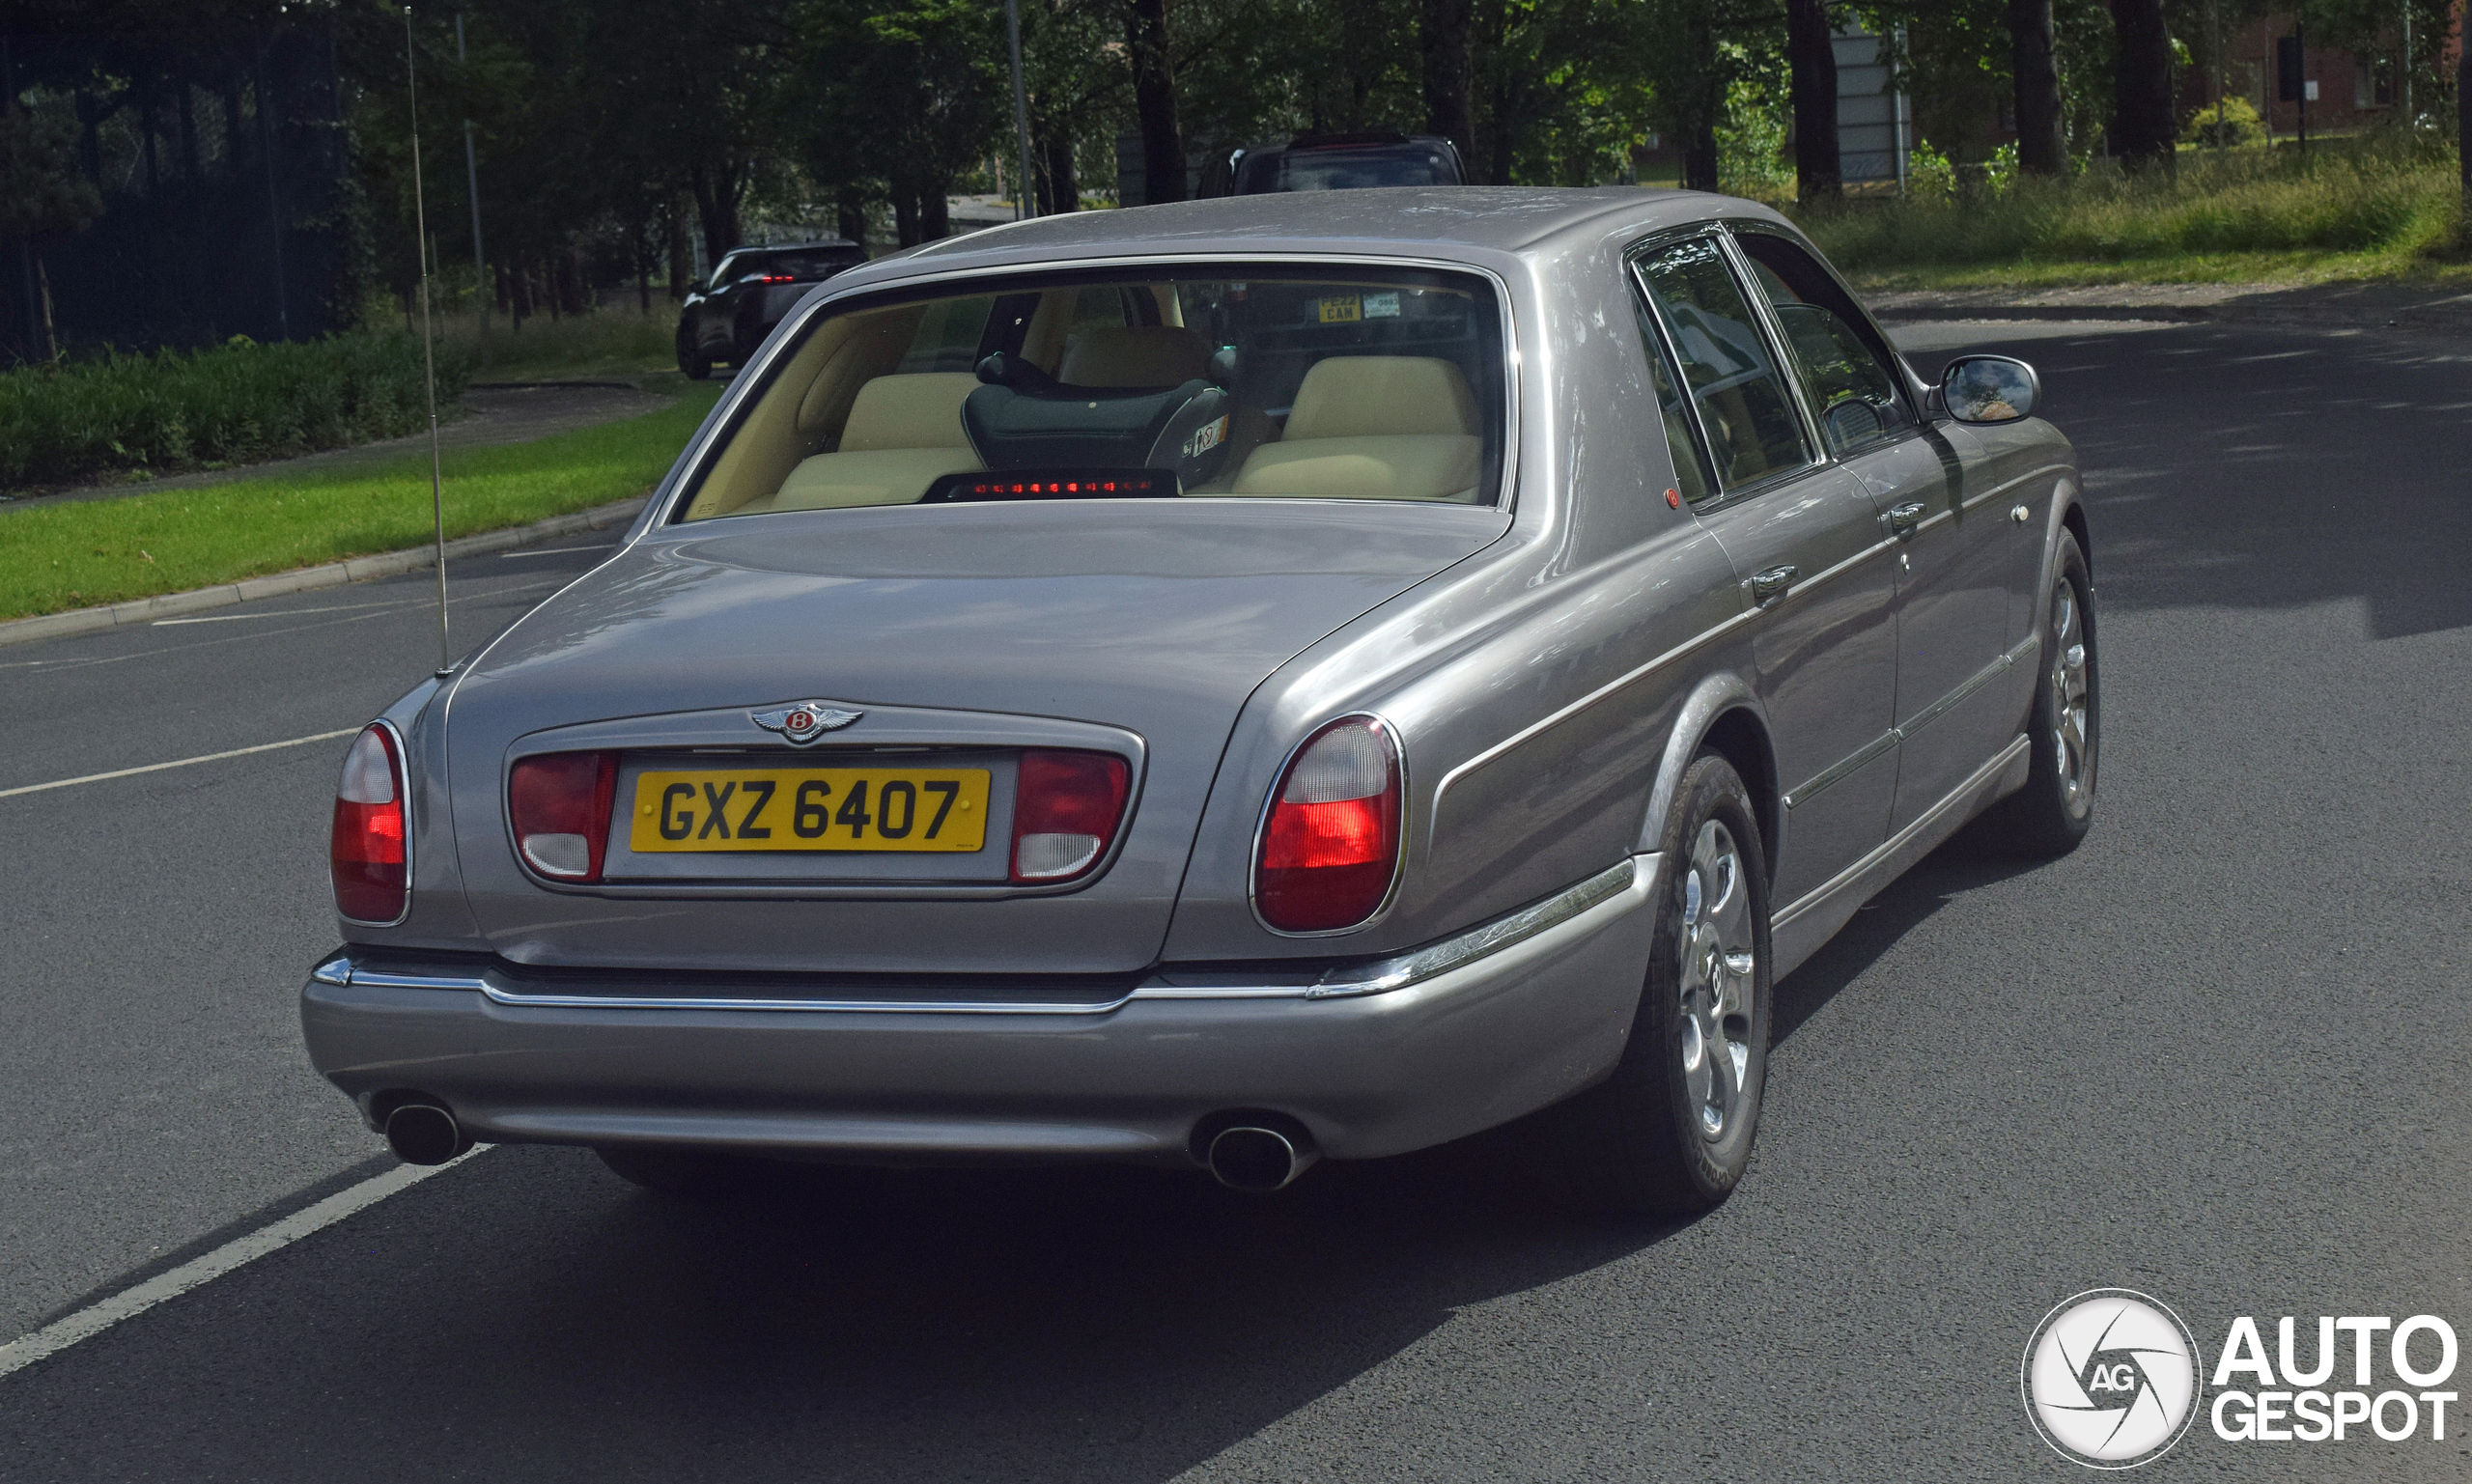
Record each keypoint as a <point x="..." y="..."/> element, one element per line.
<point x="41" y="189"/>
<point x="1751" y="145"/>
<point x="54" y="557"/>
<point x="2238" y="124"/>
<point x="1928" y="175"/>
<point x="221" y="404"/>
<point x="2366" y="200"/>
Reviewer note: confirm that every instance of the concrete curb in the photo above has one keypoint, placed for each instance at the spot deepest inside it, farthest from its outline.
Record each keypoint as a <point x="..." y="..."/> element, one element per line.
<point x="358" y="569"/>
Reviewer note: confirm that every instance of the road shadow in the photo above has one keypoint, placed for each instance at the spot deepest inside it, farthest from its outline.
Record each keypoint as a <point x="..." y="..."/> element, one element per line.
<point x="526" y="1316"/>
<point x="1976" y="857"/>
<point x="2260" y="466"/>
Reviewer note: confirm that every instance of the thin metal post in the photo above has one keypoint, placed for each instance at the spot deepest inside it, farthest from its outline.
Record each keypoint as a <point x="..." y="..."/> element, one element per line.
<point x="2214" y="42"/>
<point x="428" y="355"/>
<point x="2407" y="63"/>
<point x="481" y="288"/>
<point x="1022" y="206"/>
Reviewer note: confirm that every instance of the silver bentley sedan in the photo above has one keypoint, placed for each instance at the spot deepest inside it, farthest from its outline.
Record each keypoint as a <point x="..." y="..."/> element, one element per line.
<point x="1223" y="685"/>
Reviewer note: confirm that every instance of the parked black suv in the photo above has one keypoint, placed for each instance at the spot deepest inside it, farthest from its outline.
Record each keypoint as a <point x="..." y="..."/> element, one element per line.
<point x="1346" y="163"/>
<point x="753" y="289"/>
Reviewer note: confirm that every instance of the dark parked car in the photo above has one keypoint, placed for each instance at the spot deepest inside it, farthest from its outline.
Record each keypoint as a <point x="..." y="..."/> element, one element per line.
<point x="1346" y="162"/>
<point x="753" y="287"/>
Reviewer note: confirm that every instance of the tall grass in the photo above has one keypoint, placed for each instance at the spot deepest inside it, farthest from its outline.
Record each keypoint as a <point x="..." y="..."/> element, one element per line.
<point x="2384" y="205"/>
<point x="222" y="404"/>
<point x="612" y="340"/>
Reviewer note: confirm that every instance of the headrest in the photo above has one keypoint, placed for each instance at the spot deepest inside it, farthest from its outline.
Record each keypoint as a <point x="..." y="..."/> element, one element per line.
<point x="1371" y="396"/>
<point x="922" y="410"/>
<point x="1144" y="355"/>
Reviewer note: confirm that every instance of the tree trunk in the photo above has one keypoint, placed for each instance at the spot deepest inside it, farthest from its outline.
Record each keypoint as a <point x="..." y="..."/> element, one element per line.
<point x="2042" y="148"/>
<point x="850" y="210"/>
<point x="1699" y="156"/>
<point x="905" y="216"/>
<point x="1444" y="38"/>
<point x="2142" y="127"/>
<point x="934" y="212"/>
<point x="42" y="300"/>
<point x="186" y="113"/>
<point x="1063" y="187"/>
<point x="1815" y="64"/>
<point x="1154" y="100"/>
<point x="717" y="206"/>
<point x="682" y="259"/>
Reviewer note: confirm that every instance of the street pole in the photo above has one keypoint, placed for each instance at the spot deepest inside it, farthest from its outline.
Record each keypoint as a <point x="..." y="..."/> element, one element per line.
<point x="429" y="357"/>
<point x="1022" y="206"/>
<point x="481" y="294"/>
<point x="2214" y="41"/>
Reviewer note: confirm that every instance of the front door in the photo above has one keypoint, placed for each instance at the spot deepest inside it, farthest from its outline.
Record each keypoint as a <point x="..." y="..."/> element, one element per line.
<point x="1805" y="538"/>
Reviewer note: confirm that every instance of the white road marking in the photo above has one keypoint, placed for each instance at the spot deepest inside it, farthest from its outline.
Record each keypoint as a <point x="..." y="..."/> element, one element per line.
<point x="157" y="767"/>
<point x="606" y="546"/>
<point x="234" y="618"/>
<point x="129" y="1303"/>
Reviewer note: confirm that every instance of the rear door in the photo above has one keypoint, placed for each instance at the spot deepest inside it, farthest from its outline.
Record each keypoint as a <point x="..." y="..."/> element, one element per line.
<point x="1953" y="563"/>
<point x="1805" y="537"/>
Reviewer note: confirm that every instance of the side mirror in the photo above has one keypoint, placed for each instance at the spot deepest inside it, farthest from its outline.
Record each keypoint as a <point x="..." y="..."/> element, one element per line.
<point x="1989" y="390"/>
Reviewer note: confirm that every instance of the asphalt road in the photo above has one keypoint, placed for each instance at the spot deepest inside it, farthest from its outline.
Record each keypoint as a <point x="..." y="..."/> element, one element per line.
<point x="2218" y="1054"/>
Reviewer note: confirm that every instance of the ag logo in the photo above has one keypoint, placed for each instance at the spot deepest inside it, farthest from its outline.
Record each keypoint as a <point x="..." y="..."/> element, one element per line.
<point x="2111" y="1378"/>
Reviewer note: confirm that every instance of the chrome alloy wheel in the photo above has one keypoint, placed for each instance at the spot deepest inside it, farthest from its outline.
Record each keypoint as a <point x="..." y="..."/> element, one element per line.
<point x="2070" y="753"/>
<point x="1717" y="981"/>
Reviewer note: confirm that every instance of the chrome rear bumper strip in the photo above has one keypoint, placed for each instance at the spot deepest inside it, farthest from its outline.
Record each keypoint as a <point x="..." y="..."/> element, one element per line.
<point x="1380" y="977"/>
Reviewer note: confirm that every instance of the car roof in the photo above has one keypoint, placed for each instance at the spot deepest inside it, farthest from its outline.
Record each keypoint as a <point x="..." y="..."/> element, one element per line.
<point x="1468" y="222"/>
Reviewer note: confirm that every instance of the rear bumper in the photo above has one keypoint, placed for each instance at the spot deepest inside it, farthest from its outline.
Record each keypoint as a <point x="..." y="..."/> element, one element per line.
<point x="1469" y="1038"/>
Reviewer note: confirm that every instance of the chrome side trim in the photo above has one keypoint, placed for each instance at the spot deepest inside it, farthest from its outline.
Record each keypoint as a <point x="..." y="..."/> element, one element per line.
<point x="1416" y="966"/>
<point x="1887" y="848"/>
<point x="1836" y="771"/>
<point x="1839" y="771"/>
<point x="1377" y="977"/>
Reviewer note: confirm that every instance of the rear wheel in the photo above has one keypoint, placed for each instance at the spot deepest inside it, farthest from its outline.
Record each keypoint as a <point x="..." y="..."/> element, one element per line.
<point x="693" y="361"/>
<point x="1671" y="1130"/>
<point x="685" y="1174"/>
<point x="2052" y="812"/>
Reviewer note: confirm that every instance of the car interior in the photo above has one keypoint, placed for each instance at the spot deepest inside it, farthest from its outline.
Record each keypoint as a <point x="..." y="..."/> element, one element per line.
<point x="1380" y="388"/>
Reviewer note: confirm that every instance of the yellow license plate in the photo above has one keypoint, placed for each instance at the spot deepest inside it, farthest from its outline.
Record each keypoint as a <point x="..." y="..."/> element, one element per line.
<point x="809" y="809"/>
<point x="1342" y="309"/>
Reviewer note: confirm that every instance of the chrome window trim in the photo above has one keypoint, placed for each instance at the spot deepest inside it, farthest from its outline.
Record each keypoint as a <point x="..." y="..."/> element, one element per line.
<point x="698" y="460"/>
<point x="1379" y="977"/>
<point x="1781" y="350"/>
<point x="1913" y="396"/>
<point x="1815" y="453"/>
<point x="1270" y="801"/>
<point x="404" y="786"/>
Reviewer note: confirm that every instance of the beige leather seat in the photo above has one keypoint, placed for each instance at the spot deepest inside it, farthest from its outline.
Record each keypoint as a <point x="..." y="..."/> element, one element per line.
<point x="1133" y="356"/>
<point x="903" y="433"/>
<point x="1374" y="427"/>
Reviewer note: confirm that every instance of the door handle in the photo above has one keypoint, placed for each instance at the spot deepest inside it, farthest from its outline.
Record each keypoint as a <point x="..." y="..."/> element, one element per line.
<point x="1903" y="518"/>
<point x="1770" y="585"/>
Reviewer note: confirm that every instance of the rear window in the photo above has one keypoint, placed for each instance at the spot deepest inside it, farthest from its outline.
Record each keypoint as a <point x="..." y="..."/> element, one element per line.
<point x="1282" y="384"/>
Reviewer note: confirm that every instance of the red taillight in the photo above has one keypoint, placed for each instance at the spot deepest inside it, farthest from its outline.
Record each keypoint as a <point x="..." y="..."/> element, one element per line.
<point x="367" y="855"/>
<point x="559" y="804"/>
<point x="1332" y="843"/>
<point x="1065" y="810"/>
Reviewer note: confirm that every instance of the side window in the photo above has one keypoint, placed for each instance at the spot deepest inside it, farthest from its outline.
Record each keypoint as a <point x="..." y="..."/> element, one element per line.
<point x="1753" y="430"/>
<point x="1851" y="382"/>
<point x="1692" y="479"/>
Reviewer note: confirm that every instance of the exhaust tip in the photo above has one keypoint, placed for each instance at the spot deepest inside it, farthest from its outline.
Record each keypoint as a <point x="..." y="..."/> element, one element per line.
<point x="1250" y="1158"/>
<point x="424" y="1133"/>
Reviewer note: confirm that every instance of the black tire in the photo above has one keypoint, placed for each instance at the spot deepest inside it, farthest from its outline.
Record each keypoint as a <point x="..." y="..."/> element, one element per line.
<point x="695" y="367"/>
<point x="2053" y="811"/>
<point x="1636" y="1141"/>
<point x="683" y="1174"/>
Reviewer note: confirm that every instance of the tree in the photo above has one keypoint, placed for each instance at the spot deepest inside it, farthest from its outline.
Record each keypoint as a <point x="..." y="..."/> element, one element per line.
<point x="1154" y="100"/>
<point x="2042" y="147"/>
<point x="2144" y="127"/>
<point x="1810" y="44"/>
<point x="42" y="194"/>
<point x="1443" y="45"/>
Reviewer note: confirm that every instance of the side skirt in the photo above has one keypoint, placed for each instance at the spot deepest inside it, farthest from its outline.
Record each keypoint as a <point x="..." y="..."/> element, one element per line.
<point x="1798" y="930"/>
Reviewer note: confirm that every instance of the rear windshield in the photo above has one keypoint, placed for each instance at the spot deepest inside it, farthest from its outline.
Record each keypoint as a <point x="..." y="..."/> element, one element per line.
<point x="1331" y="169"/>
<point x="1282" y="384"/>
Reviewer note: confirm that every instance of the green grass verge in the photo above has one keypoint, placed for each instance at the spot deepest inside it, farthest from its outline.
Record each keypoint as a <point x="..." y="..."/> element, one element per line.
<point x="76" y="555"/>
<point x="2353" y="210"/>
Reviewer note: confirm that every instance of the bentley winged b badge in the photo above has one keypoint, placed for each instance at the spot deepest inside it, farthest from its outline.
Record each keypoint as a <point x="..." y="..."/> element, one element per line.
<point x="803" y="722"/>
